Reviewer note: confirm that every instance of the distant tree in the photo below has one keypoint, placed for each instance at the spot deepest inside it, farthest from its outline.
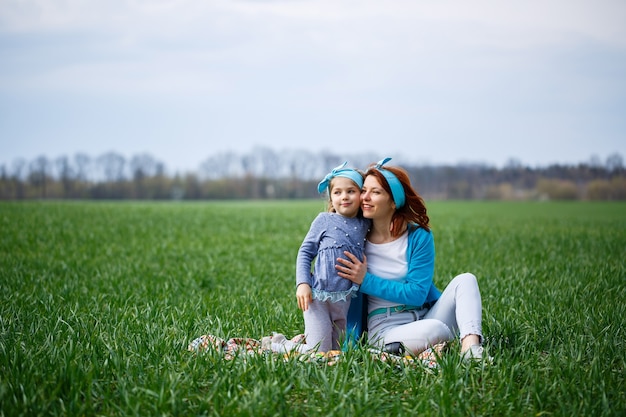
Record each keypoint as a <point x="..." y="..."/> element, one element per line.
<point x="514" y="164"/>
<point x="503" y="191"/>
<point x="595" y="161"/>
<point x="6" y="189"/>
<point x="618" y="188"/>
<point x="557" y="189"/>
<point x="65" y="175"/>
<point x="460" y="190"/>
<point x="112" y="166"/>
<point x="82" y="163"/>
<point x="39" y="174"/>
<point x="222" y="165"/>
<point x="269" y="161"/>
<point x="614" y="162"/>
<point x="177" y="190"/>
<point x="19" y="166"/>
<point x="192" y="187"/>
<point x="599" y="190"/>
<point x="264" y="173"/>
<point x="143" y="165"/>
<point x="161" y="184"/>
<point x="305" y="165"/>
<point x="9" y="183"/>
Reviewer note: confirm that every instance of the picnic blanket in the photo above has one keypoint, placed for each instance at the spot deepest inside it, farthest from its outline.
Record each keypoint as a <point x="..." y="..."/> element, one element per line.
<point x="242" y="346"/>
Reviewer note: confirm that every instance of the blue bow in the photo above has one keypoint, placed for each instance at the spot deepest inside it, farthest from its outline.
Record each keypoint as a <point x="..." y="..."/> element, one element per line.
<point x="340" y="171"/>
<point x="397" y="190"/>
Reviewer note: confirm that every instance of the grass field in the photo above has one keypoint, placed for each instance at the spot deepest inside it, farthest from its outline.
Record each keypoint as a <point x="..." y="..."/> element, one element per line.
<point x="98" y="302"/>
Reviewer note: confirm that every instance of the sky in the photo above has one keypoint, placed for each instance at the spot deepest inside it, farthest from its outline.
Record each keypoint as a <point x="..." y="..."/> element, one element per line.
<point x="446" y="81"/>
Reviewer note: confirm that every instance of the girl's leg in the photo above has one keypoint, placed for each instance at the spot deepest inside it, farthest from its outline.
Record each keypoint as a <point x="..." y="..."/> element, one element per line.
<point x="338" y="315"/>
<point x="318" y="330"/>
<point x="460" y="307"/>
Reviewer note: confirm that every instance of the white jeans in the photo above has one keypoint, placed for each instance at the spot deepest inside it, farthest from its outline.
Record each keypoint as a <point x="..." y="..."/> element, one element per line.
<point x="457" y="312"/>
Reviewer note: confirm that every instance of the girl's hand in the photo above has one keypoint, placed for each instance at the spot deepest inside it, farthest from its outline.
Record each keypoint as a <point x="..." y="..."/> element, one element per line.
<point x="352" y="268"/>
<point x="304" y="296"/>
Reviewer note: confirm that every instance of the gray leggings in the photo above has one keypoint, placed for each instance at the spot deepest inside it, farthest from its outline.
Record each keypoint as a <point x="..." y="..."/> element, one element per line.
<point x="324" y="327"/>
<point x="457" y="312"/>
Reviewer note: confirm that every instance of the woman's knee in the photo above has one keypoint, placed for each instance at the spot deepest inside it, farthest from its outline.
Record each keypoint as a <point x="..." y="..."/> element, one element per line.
<point x="466" y="278"/>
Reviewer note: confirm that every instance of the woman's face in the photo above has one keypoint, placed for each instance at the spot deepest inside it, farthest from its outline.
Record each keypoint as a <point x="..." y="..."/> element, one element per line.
<point x="376" y="203"/>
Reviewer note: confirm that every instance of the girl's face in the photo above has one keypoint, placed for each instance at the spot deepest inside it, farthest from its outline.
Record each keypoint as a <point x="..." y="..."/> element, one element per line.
<point x="375" y="201"/>
<point x="345" y="196"/>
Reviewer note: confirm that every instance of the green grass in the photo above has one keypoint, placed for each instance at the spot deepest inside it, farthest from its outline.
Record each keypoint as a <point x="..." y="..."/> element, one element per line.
<point x="98" y="302"/>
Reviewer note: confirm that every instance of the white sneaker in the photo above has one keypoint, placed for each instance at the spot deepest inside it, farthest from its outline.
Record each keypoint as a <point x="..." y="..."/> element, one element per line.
<point x="266" y="343"/>
<point x="476" y="352"/>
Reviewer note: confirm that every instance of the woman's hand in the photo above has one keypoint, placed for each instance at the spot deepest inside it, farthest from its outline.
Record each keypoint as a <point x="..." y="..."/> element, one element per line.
<point x="352" y="268"/>
<point x="304" y="296"/>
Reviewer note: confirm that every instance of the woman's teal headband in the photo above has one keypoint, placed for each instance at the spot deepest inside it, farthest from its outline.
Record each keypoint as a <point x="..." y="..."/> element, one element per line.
<point x="340" y="171"/>
<point x="397" y="190"/>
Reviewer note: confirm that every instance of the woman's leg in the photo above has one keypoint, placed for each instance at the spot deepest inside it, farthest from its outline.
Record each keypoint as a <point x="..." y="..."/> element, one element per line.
<point x="416" y="335"/>
<point x="419" y="335"/>
<point x="460" y="308"/>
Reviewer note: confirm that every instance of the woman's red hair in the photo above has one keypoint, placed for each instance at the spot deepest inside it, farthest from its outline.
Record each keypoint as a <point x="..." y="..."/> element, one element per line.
<point x="414" y="208"/>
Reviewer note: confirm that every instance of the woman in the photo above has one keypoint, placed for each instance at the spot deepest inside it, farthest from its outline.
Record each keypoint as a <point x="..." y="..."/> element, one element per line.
<point x="403" y="306"/>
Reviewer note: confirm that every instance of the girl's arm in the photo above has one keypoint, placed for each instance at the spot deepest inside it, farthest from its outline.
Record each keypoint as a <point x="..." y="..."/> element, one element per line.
<point x="308" y="250"/>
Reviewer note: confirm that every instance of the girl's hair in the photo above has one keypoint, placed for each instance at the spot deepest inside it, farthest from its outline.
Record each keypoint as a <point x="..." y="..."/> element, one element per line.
<point x="414" y="208"/>
<point x="330" y="208"/>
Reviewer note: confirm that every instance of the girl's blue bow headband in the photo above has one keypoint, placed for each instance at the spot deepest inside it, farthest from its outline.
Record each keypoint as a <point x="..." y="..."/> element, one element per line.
<point x="397" y="190"/>
<point x="340" y="171"/>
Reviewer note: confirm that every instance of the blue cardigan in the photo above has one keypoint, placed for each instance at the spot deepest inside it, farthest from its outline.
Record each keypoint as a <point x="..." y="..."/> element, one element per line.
<point x="415" y="289"/>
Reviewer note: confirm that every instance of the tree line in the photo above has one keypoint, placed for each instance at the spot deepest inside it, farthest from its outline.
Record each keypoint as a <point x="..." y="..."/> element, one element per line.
<point x="266" y="174"/>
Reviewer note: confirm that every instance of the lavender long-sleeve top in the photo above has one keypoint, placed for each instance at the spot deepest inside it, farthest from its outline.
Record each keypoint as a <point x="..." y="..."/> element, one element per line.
<point x="329" y="236"/>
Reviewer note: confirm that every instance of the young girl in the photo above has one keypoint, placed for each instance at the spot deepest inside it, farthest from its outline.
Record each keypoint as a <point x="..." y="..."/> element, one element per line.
<point x="322" y="295"/>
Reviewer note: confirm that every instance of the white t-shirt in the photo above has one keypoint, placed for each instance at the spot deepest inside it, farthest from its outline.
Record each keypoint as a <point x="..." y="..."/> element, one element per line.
<point x="387" y="261"/>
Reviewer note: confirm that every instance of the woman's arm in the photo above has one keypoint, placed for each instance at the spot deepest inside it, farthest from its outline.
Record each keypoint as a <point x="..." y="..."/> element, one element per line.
<point x="412" y="289"/>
